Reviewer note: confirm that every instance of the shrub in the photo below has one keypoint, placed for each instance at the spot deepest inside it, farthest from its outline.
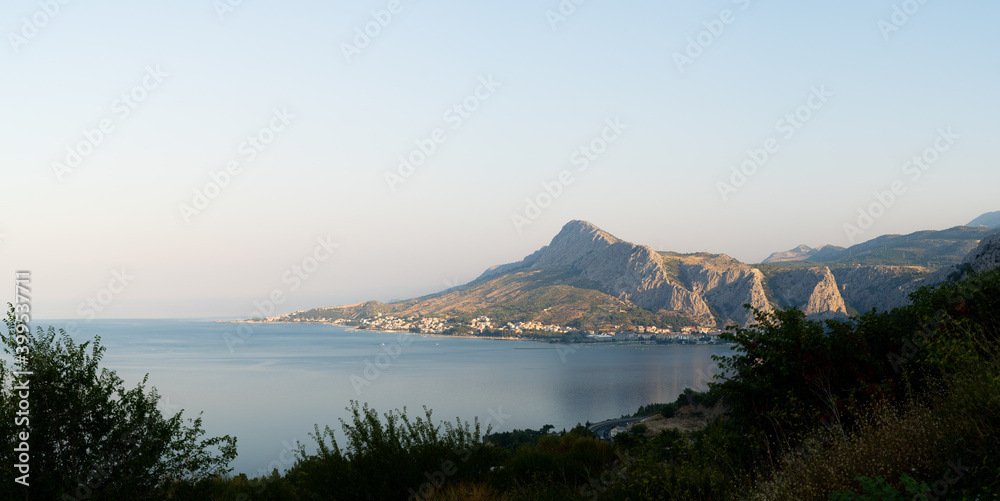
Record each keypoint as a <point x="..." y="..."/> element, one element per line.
<point x="877" y="489"/>
<point x="392" y="458"/>
<point x="568" y="462"/>
<point x="90" y="436"/>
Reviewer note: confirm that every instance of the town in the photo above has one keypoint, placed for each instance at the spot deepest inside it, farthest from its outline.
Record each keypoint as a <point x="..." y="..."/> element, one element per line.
<point x="484" y="326"/>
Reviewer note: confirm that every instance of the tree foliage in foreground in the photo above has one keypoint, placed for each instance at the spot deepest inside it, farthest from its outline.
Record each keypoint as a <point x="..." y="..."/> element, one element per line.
<point x="390" y="458"/>
<point x="91" y="437"/>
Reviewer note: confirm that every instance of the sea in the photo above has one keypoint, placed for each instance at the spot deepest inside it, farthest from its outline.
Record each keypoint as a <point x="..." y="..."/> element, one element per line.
<point x="271" y="384"/>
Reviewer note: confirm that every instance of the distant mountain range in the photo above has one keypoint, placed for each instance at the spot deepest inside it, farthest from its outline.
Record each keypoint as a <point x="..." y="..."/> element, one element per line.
<point x="588" y="279"/>
<point x="930" y="249"/>
<point x="803" y="253"/>
<point x="989" y="220"/>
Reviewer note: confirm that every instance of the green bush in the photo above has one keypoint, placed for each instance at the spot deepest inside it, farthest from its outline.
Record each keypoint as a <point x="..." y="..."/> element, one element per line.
<point x="877" y="489"/>
<point x="568" y="461"/>
<point x="681" y="466"/>
<point x="90" y="436"/>
<point x="391" y="458"/>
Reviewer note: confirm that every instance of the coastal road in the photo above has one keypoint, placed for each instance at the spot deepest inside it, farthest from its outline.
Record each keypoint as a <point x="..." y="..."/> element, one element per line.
<point x="603" y="429"/>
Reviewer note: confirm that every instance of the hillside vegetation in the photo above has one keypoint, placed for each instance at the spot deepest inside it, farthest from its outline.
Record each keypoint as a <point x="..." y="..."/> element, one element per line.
<point x="928" y="249"/>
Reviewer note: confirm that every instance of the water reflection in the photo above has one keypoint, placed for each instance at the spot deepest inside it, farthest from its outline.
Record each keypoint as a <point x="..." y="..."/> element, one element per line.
<point x="282" y="379"/>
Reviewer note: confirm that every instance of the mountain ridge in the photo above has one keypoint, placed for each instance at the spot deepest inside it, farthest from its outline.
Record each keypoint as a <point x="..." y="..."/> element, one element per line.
<point x="802" y="253"/>
<point x="589" y="279"/>
<point x="989" y="219"/>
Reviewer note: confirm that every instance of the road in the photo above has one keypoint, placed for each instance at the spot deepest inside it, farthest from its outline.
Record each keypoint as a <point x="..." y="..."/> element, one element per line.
<point x="603" y="429"/>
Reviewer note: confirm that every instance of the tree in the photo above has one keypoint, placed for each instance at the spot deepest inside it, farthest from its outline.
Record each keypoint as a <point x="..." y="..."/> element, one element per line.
<point x="89" y="436"/>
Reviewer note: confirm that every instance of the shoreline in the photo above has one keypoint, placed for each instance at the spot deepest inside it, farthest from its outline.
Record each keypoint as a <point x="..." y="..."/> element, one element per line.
<point x="498" y="338"/>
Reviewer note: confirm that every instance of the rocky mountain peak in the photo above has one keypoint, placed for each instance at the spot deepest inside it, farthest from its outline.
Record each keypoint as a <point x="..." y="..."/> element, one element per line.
<point x="577" y="230"/>
<point x="575" y="242"/>
<point x="586" y="273"/>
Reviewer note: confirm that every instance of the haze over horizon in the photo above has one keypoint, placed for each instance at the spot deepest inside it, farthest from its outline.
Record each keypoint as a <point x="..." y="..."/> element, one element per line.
<point x="829" y="102"/>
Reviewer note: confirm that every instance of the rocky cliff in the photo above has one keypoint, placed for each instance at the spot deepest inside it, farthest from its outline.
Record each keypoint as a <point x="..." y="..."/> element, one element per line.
<point x="588" y="276"/>
<point x="711" y="289"/>
<point x="630" y="272"/>
<point x="812" y="290"/>
<point x="984" y="257"/>
<point x="728" y="290"/>
<point x="880" y="287"/>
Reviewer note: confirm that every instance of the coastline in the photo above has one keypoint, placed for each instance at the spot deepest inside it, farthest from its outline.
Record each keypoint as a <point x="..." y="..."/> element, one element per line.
<point x="498" y="338"/>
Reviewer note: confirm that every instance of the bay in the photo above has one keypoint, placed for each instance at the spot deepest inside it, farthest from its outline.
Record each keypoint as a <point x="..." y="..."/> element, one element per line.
<point x="268" y="384"/>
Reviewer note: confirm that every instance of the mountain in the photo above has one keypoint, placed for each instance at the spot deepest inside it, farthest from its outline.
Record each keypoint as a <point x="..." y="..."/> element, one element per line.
<point x="802" y="253"/>
<point x="929" y="249"/>
<point x="932" y="249"/>
<point x="989" y="220"/>
<point x="590" y="280"/>
<point x="984" y="257"/>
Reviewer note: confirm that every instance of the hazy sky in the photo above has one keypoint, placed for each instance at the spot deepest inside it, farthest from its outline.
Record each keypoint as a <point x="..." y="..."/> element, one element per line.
<point x="116" y="113"/>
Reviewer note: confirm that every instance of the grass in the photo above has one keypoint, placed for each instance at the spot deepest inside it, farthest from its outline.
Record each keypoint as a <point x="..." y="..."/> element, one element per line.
<point x="889" y="444"/>
<point x="953" y="423"/>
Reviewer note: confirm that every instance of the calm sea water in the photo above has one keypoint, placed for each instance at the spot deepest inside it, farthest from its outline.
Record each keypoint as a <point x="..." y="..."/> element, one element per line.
<point x="271" y="388"/>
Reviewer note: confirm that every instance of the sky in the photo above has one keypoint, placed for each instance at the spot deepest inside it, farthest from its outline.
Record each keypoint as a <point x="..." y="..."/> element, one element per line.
<point x="226" y="158"/>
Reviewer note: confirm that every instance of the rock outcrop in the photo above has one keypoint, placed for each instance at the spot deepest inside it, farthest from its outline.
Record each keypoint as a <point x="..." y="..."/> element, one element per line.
<point x="630" y="272"/>
<point x="727" y="291"/>
<point x="880" y="287"/>
<point x="984" y="257"/>
<point x="812" y="290"/>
